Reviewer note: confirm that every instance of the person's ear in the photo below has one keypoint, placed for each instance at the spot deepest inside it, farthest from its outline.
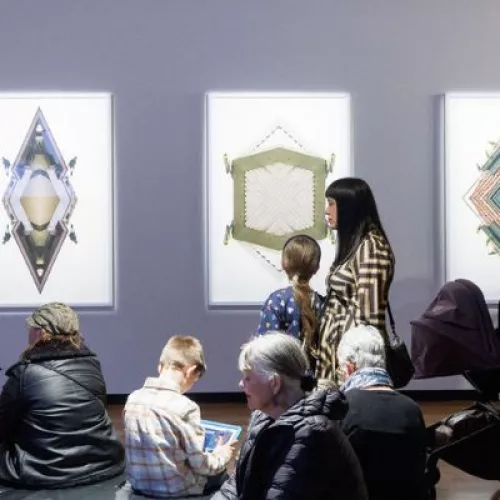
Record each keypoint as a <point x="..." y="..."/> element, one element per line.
<point x="350" y="368"/>
<point x="191" y="372"/>
<point x="275" y="383"/>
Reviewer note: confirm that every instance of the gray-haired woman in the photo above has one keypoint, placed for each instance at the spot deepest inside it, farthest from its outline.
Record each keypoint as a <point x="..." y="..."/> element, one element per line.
<point x="386" y="428"/>
<point x="294" y="448"/>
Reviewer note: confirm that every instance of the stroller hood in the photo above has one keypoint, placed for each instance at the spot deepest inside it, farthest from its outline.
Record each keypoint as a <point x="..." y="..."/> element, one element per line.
<point x="455" y="333"/>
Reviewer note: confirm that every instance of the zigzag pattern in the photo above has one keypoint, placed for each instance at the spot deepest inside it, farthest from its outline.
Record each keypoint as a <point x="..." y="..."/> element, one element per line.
<point x="359" y="291"/>
<point x="481" y="197"/>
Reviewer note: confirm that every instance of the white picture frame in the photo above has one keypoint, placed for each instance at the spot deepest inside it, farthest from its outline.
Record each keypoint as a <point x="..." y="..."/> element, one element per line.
<point x="471" y="145"/>
<point x="81" y="125"/>
<point x="239" y="274"/>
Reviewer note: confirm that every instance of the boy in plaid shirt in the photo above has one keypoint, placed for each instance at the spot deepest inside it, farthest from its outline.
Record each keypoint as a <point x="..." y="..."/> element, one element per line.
<point x="163" y="436"/>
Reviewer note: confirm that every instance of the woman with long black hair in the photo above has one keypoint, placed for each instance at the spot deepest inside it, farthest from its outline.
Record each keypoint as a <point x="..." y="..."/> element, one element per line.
<point x="362" y="272"/>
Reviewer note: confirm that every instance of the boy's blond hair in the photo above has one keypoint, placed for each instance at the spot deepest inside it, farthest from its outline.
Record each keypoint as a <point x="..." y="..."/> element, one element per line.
<point x="182" y="351"/>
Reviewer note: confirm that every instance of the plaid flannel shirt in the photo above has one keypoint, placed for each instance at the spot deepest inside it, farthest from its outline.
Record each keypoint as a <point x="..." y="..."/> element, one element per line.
<point x="164" y="442"/>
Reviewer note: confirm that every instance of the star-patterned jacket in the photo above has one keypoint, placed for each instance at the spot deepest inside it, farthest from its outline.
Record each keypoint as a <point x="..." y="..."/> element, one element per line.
<point x="281" y="312"/>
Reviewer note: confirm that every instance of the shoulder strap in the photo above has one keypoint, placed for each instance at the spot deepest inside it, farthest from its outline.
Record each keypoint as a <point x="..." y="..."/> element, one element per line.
<point x="391" y="321"/>
<point x="75" y="381"/>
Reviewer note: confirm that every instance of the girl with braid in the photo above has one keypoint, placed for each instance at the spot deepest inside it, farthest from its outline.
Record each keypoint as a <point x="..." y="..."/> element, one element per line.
<point x="295" y="309"/>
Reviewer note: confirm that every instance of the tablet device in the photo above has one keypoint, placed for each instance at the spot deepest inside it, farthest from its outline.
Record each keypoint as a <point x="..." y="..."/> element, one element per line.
<point x="218" y="432"/>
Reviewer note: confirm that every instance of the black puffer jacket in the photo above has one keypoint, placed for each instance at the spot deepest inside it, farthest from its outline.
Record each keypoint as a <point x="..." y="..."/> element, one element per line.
<point x="54" y="432"/>
<point x="301" y="456"/>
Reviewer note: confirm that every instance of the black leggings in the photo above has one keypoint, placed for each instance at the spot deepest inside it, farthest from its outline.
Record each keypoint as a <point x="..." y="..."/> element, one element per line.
<point x="215" y="482"/>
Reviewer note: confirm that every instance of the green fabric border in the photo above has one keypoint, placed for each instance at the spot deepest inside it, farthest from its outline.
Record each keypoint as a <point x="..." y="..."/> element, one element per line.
<point x="244" y="164"/>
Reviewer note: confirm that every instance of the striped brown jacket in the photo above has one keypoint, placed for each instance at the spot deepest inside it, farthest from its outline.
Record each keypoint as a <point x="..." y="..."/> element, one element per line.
<point x="357" y="294"/>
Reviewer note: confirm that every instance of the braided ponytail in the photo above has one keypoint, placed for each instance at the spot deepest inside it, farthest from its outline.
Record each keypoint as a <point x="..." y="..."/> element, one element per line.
<point x="301" y="258"/>
<point x="303" y="297"/>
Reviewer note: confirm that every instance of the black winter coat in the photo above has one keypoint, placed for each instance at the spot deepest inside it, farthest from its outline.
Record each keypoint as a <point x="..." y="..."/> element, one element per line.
<point x="301" y="456"/>
<point x="54" y="432"/>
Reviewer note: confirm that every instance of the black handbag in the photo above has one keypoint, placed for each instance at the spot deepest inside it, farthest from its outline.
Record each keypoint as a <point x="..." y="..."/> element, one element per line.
<point x="397" y="357"/>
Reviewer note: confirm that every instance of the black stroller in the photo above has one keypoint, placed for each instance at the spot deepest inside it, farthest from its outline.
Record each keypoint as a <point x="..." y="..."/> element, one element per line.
<point x="455" y="336"/>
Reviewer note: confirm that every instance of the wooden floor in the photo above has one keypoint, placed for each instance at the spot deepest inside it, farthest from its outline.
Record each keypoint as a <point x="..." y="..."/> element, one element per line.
<point x="454" y="484"/>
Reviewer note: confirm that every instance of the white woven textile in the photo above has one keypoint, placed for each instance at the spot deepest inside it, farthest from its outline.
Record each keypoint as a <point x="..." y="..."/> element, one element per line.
<point x="279" y="199"/>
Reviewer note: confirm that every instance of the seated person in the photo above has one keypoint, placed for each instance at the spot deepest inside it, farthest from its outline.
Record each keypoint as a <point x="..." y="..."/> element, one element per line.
<point x="386" y="428"/>
<point x="163" y="436"/>
<point x="54" y="428"/>
<point x="294" y="449"/>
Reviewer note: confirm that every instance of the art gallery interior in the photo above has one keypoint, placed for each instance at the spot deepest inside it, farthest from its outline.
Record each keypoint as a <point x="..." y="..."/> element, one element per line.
<point x="395" y="60"/>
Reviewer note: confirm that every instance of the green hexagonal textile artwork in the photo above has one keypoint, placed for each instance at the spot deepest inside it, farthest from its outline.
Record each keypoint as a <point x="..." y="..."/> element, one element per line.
<point x="278" y="193"/>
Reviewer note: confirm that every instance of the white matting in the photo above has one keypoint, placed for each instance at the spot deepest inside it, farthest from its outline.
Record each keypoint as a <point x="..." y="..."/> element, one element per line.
<point x="236" y="124"/>
<point x="471" y="121"/>
<point x="81" y="125"/>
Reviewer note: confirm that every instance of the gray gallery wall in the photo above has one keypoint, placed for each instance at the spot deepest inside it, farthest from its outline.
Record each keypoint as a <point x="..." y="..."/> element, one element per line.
<point x="159" y="57"/>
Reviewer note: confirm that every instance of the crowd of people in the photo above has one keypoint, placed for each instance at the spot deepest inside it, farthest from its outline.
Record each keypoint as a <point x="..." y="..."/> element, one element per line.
<point x="326" y="421"/>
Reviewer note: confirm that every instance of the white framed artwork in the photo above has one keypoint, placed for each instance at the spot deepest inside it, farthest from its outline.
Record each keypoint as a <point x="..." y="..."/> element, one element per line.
<point x="56" y="215"/>
<point x="471" y="190"/>
<point x="268" y="159"/>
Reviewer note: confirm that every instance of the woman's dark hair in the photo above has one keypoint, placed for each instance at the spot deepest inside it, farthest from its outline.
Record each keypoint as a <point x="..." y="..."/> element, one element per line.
<point x="357" y="215"/>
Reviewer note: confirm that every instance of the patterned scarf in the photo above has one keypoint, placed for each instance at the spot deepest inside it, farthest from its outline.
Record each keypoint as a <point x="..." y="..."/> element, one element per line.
<point x="367" y="377"/>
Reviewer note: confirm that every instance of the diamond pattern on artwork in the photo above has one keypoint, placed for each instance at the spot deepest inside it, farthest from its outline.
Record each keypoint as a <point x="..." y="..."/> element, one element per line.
<point x="39" y="200"/>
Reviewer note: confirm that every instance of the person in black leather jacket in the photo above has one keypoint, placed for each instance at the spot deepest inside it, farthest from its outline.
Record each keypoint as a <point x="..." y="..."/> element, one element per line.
<point x="54" y="428"/>
<point x="294" y="449"/>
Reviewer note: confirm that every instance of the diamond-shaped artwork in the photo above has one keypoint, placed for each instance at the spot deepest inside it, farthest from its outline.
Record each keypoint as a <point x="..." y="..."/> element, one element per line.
<point x="471" y="190"/>
<point x="39" y="200"/>
<point x="484" y="197"/>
